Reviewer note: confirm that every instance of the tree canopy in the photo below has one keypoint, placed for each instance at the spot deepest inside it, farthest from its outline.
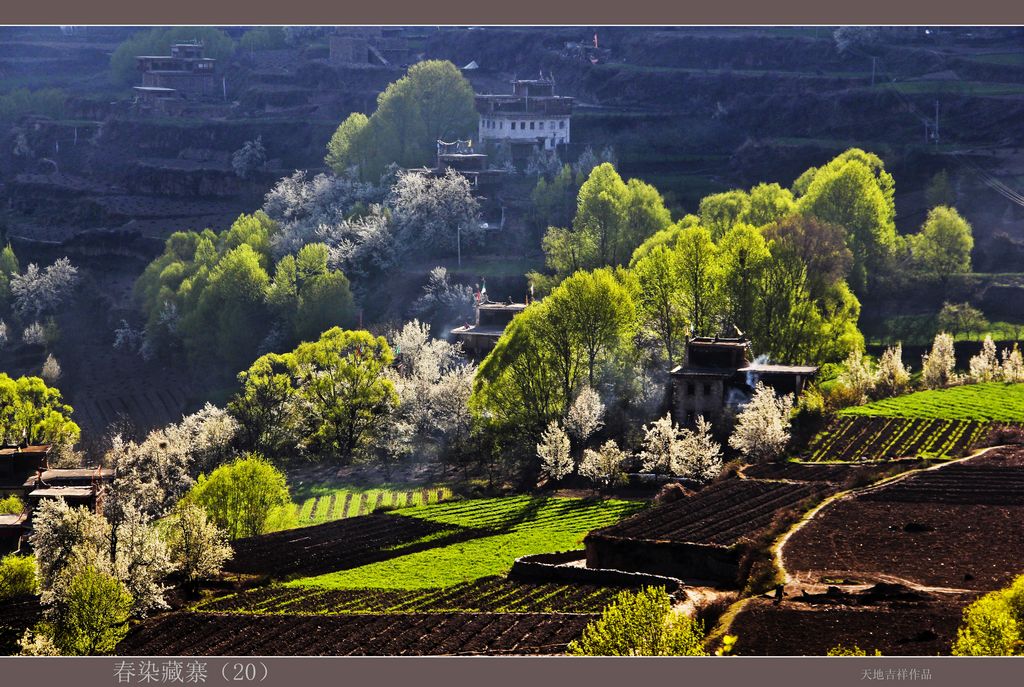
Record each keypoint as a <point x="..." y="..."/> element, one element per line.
<point x="432" y="102"/>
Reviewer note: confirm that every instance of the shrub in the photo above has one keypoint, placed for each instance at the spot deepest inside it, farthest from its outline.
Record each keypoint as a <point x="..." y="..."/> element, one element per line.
<point x="840" y="650"/>
<point x="91" y="614"/>
<point x="197" y="547"/>
<point x="17" y="576"/>
<point x="240" y="496"/>
<point x="994" y="624"/>
<point x="641" y="624"/>
<point x="11" y="505"/>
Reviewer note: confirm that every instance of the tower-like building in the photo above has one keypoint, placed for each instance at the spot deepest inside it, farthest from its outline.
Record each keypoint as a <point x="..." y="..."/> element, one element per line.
<point x="531" y="116"/>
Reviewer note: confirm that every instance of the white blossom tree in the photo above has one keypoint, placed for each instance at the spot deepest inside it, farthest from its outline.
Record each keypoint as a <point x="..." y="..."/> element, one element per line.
<point x="662" y="446"/>
<point x="38" y="291"/>
<point x="197" y="547"/>
<point x="762" y="427"/>
<point x="553" y="451"/>
<point x="34" y="334"/>
<point x="603" y="467"/>
<point x="432" y="214"/>
<point x="140" y="561"/>
<point x="61" y="533"/>
<point x="985" y="367"/>
<point x="892" y="377"/>
<point x="3" y="334"/>
<point x="700" y="456"/>
<point x="51" y="371"/>
<point x="937" y="366"/>
<point x="1013" y="365"/>
<point x="585" y="415"/>
<point x="857" y="377"/>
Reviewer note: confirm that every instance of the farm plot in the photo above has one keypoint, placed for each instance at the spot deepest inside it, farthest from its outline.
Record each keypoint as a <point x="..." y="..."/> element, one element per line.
<point x="837" y="473"/>
<point x="991" y="402"/>
<point x="960" y="526"/>
<point x="467" y="540"/>
<point x="793" y="628"/>
<point x="490" y="594"/>
<point x="333" y="546"/>
<point x="418" y="634"/>
<point x="867" y="437"/>
<point x="18" y="615"/>
<point x="722" y="514"/>
<point x="333" y="502"/>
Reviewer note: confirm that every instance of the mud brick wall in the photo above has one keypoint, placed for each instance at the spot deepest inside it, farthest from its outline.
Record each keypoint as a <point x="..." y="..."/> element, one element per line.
<point x="549" y="567"/>
<point x="686" y="561"/>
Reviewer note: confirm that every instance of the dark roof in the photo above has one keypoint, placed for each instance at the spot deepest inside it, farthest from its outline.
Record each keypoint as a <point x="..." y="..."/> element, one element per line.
<point x="780" y="369"/>
<point x="503" y="306"/>
<point x="42" y="449"/>
<point x="12" y="520"/>
<point x="63" y="492"/>
<point x="716" y="372"/>
<point x="719" y="341"/>
<point x="65" y="475"/>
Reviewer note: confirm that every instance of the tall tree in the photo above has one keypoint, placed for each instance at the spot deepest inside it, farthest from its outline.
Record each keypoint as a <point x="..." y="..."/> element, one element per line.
<point x="699" y="271"/>
<point x="943" y="247"/>
<point x="600" y="212"/>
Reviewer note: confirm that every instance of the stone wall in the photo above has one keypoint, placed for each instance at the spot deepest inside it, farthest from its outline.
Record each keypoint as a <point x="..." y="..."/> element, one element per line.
<point x="550" y="567"/>
<point x="684" y="561"/>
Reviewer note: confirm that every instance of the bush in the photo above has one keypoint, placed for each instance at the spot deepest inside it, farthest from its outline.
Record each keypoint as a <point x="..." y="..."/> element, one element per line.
<point x="241" y="496"/>
<point x="840" y="650"/>
<point x="671" y="492"/>
<point x="11" y="505"/>
<point x="91" y="615"/>
<point x="641" y="624"/>
<point x="994" y="624"/>
<point x="17" y="576"/>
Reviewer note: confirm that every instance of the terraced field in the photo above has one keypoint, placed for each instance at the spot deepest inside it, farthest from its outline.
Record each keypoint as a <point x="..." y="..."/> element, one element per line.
<point x="467" y="540"/>
<point x="413" y="634"/>
<point x="866" y="437"/>
<point x="329" y="503"/>
<point x="990" y="402"/>
<point x="490" y="594"/>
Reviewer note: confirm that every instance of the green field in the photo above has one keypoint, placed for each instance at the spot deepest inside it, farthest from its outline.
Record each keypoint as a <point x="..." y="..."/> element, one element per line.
<point x="323" y="503"/>
<point x="509" y="527"/>
<point x="994" y="401"/>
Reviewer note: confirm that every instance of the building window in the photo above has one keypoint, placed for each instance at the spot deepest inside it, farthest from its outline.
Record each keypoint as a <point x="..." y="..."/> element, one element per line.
<point x="561" y="124"/>
<point x="542" y="125"/>
<point x="501" y="125"/>
<point x="707" y="389"/>
<point x="522" y="125"/>
<point x="690" y="390"/>
<point x="531" y="126"/>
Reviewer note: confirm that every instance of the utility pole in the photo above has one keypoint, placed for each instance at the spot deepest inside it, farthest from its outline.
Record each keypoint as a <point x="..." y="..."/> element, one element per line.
<point x="936" y="122"/>
<point x="458" y="242"/>
<point x="873" y="59"/>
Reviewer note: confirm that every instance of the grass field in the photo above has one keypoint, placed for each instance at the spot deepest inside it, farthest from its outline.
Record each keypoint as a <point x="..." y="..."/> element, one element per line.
<point x="995" y="401"/>
<point x="323" y="503"/>
<point x="509" y="527"/>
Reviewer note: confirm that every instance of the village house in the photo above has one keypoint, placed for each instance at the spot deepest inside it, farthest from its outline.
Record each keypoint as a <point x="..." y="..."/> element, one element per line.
<point x="25" y="472"/>
<point x="183" y="73"/>
<point x="718" y="375"/>
<point x="479" y="339"/>
<point x="532" y="117"/>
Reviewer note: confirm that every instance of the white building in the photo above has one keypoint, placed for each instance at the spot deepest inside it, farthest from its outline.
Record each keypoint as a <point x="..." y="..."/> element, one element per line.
<point x="532" y="115"/>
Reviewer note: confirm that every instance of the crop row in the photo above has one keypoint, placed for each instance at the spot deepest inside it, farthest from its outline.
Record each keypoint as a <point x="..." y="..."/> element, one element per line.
<point x="993" y="401"/>
<point x="722" y="514"/>
<point x="491" y="594"/>
<point x="336" y="545"/>
<point x="858" y="438"/>
<point x="420" y="634"/>
<point x="957" y="484"/>
<point x="521" y="513"/>
<point x="347" y="503"/>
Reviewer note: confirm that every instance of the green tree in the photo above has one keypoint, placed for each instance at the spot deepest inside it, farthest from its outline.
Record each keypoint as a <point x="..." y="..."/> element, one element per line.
<point x="855" y="192"/>
<point x="91" y="614"/>
<point x="939" y="191"/>
<point x="641" y="624"/>
<point x="720" y="211"/>
<point x="345" y="393"/>
<point x="644" y="214"/>
<point x="349" y="145"/>
<point x="743" y="256"/>
<point x="699" y="271"/>
<point x="8" y="268"/>
<point x="432" y="102"/>
<point x="601" y="213"/>
<point x="230" y="308"/>
<point x="262" y="38"/>
<point x="597" y="311"/>
<point x="943" y="247"/>
<point x="961" y="318"/>
<point x="769" y="203"/>
<point x="553" y="203"/>
<point x="32" y="411"/>
<point x="17" y="576"/>
<point x="241" y="496"/>
<point x="308" y="295"/>
<point x="659" y="298"/>
<point x="994" y="624"/>
<point x="264" y="405"/>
